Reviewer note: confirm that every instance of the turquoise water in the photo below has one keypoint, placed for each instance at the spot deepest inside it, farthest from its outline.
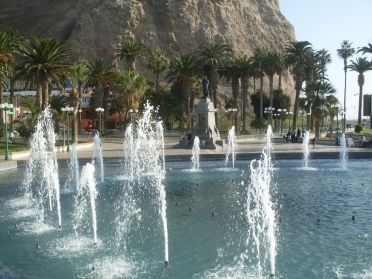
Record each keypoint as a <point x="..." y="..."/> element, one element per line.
<point x="201" y="244"/>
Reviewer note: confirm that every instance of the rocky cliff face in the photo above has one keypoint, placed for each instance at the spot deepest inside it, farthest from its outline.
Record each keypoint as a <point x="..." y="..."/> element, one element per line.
<point x="92" y="27"/>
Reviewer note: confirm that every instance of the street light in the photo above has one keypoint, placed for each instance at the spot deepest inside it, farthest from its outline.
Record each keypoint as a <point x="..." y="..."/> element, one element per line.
<point x="67" y="110"/>
<point x="132" y="113"/>
<point x="269" y="111"/>
<point x="80" y="111"/>
<point x="289" y="113"/>
<point x="6" y="107"/>
<point x="233" y="111"/>
<point x="100" y="111"/>
<point x="302" y="115"/>
<point x="336" y="108"/>
<point x="281" y="112"/>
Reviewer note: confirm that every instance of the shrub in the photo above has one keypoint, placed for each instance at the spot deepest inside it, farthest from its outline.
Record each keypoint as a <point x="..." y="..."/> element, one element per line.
<point x="358" y="128"/>
<point x="259" y="124"/>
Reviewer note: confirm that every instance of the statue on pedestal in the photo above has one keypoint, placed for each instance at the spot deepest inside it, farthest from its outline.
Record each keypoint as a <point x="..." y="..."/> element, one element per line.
<point x="205" y="83"/>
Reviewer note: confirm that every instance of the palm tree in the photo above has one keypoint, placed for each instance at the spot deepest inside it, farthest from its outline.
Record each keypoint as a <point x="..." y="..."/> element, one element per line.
<point x="232" y="74"/>
<point x="345" y="52"/>
<point x="360" y="65"/>
<point x="246" y="68"/>
<point x="158" y="63"/>
<point x="323" y="58"/>
<point x="271" y="66"/>
<point x="183" y="70"/>
<point x="213" y="56"/>
<point x="321" y="91"/>
<point x="129" y="88"/>
<point x="44" y="60"/>
<point x="366" y="49"/>
<point x="11" y="41"/>
<point x="79" y="75"/>
<point x="259" y="58"/>
<point x="130" y="51"/>
<point x="100" y="74"/>
<point x="296" y="56"/>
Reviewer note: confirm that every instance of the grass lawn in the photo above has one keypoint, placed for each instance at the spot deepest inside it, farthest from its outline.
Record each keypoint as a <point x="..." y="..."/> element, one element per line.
<point x="12" y="147"/>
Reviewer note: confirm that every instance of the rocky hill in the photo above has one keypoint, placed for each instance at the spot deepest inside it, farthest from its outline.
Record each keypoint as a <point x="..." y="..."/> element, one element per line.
<point x="92" y="27"/>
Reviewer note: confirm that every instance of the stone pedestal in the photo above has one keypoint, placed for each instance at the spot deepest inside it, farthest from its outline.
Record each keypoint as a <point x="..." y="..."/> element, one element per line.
<point x="205" y="127"/>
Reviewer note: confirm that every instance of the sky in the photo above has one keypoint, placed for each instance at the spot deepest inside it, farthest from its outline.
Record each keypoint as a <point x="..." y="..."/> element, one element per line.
<point x="325" y="24"/>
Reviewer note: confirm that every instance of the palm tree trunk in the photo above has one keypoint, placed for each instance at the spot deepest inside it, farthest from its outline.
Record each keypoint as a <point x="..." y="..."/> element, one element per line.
<point x="38" y="95"/>
<point x="280" y="80"/>
<point x="11" y="92"/>
<point x="74" y="126"/>
<point x="157" y="82"/>
<point x="1" y="95"/>
<point x="261" y="97"/>
<point x="361" y="83"/>
<point x="317" y="127"/>
<point x="271" y="86"/>
<point x="235" y="91"/>
<point x="44" y="94"/>
<point x="299" y="78"/>
<point x="345" y="81"/>
<point x="245" y="85"/>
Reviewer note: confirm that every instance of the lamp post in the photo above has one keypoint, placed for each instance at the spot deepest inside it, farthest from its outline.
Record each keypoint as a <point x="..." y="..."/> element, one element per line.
<point x="233" y="111"/>
<point x="67" y="110"/>
<point x="337" y="111"/>
<point x="100" y="110"/>
<point x="132" y="113"/>
<point x="269" y="111"/>
<point x="302" y="116"/>
<point x="80" y="111"/>
<point x="289" y="113"/>
<point x="6" y="107"/>
<point x="281" y="112"/>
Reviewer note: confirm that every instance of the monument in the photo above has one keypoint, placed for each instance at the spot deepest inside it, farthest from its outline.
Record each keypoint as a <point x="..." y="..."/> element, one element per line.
<point x="205" y="126"/>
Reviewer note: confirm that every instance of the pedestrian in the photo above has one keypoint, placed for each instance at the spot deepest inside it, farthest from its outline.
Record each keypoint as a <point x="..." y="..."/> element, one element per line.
<point x="11" y="137"/>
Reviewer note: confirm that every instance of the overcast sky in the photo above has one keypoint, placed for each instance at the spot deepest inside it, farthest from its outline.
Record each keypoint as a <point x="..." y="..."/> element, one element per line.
<point x="326" y="23"/>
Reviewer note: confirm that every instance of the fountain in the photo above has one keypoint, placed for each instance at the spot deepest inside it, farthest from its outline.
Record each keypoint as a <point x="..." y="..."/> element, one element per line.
<point x="73" y="164"/>
<point x="43" y="164"/>
<point x="195" y="154"/>
<point x="86" y="193"/>
<point x="145" y="162"/>
<point x="260" y="213"/>
<point x="305" y="150"/>
<point x="97" y="155"/>
<point x="231" y="147"/>
<point x="343" y="151"/>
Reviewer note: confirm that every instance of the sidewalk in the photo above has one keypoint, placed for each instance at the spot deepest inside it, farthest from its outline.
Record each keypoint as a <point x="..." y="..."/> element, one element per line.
<point x="247" y="148"/>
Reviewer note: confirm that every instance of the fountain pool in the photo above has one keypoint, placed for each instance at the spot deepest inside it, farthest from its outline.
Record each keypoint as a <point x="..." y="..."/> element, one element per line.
<point x="316" y="236"/>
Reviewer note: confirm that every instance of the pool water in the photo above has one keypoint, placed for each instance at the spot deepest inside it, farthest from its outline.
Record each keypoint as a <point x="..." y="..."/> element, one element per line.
<point x="317" y="236"/>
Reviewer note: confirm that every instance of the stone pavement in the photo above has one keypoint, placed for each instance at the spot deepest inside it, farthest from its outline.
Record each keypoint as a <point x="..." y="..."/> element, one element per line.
<point x="247" y="148"/>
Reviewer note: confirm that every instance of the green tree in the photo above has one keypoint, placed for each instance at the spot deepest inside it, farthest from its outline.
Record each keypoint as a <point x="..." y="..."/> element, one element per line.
<point x="246" y="68"/>
<point x="79" y="76"/>
<point x="259" y="61"/>
<point x="345" y="52"/>
<point x="183" y="70"/>
<point x="321" y="92"/>
<point x="272" y="65"/>
<point x="366" y="49"/>
<point x="232" y="73"/>
<point x="129" y="88"/>
<point x="11" y="41"/>
<point x="129" y="50"/>
<point x="100" y="75"/>
<point x="213" y="56"/>
<point x="360" y="65"/>
<point x="296" y="55"/>
<point x="158" y="63"/>
<point x="44" y="61"/>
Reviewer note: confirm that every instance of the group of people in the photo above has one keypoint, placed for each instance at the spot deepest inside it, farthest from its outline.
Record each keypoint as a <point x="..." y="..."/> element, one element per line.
<point x="293" y="136"/>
